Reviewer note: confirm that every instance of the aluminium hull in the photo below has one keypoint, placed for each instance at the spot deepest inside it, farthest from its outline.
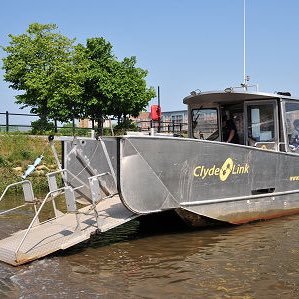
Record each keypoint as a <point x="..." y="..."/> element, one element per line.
<point x="231" y="183"/>
<point x="227" y="182"/>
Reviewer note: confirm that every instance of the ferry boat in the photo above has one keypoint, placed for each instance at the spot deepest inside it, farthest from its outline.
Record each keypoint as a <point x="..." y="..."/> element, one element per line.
<point x="201" y="177"/>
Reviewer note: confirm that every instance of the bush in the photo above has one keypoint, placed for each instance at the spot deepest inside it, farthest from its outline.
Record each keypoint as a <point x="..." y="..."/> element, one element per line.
<point x="68" y="130"/>
<point x="126" y="125"/>
<point x="42" y="126"/>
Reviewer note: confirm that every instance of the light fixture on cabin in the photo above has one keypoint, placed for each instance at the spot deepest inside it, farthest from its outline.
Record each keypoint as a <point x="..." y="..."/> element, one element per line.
<point x="195" y="92"/>
<point x="283" y="93"/>
<point x="228" y="89"/>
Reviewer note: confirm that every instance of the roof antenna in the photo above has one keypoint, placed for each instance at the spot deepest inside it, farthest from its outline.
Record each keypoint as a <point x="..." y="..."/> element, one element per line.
<point x="245" y="78"/>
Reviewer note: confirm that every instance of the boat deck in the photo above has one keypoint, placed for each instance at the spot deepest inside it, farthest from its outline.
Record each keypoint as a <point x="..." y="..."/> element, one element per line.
<point x="63" y="232"/>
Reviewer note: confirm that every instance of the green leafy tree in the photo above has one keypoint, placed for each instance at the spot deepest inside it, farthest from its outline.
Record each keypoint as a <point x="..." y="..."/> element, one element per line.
<point x="61" y="81"/>
<point x="131" y="94"/>
<point x="97" y="95"/>
<point x="43" y="65"/>
<point x="112" y="87"/>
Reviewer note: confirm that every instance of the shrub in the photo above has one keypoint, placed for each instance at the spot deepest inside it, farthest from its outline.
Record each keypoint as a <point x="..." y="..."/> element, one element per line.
<point x="42" y="126"/>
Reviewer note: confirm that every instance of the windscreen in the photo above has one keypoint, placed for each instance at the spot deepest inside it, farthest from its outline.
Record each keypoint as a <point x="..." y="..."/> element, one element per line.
<point x="205" y="123"/>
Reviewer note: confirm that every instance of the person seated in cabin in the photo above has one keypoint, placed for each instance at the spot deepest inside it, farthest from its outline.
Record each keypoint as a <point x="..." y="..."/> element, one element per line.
<point x="229" y="130"/>
<point x="294" y="140"/>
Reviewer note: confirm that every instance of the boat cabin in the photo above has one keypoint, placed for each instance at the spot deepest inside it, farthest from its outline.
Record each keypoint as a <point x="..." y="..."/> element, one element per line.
<point x="263" y="120"/>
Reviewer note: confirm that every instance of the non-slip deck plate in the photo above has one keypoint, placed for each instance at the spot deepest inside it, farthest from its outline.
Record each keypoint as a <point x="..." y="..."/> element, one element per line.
<point x="61" y="233"/>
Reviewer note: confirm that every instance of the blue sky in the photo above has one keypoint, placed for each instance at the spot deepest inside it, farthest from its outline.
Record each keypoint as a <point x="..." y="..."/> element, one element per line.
<point x="184" y="44"/>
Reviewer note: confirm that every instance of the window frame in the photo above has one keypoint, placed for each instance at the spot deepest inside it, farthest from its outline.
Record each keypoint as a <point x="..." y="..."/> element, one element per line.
<point x="218" y="138"/>
<point x="275" y="116"/>
<point x="284" y="120"/>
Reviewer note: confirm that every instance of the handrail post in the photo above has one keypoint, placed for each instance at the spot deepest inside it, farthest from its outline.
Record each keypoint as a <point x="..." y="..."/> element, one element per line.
<point x="73" y="126"/>
<point x="7" y="121"/>
<point x="55" y="126"/>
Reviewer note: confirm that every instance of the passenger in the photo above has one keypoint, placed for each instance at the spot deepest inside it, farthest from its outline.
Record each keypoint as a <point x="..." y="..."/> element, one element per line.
<point x="229" y="130"/>
<point x="294" y="141"/>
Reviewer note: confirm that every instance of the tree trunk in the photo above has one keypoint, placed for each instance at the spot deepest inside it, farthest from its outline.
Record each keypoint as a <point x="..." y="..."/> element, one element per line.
<point x="100" y="126"/>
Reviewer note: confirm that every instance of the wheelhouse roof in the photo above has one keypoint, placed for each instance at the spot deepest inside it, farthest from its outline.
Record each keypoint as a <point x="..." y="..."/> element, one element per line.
<point x="231" y="96"/>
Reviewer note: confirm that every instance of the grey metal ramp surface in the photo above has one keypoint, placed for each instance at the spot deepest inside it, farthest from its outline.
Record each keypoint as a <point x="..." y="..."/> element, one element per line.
<point x="61" y="233"/>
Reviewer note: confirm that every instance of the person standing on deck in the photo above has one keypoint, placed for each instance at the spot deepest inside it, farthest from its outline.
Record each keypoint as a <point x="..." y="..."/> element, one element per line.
<point x="229" y="131"/>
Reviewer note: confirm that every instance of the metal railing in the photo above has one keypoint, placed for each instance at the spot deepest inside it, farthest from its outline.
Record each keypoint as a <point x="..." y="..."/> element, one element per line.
<point x="28" y="194"/>
<point x="51" y="196"/>
<point x="163" y="126"/>
<point x="10" y="122"/>
<point x="7" y="123"/>
<point x="71" y="206"/>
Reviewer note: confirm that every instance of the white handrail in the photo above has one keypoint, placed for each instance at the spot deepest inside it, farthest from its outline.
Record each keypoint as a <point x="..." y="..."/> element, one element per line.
<point x="13" y="184"/>
<point x="35" y="218"/>
<point x="7" y="211"/>
<point x="37" y="214"/>
<point x="66" y="170"/>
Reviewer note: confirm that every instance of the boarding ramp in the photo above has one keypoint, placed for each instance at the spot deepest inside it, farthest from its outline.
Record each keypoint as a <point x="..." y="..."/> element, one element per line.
<point x="87" y="158"/>
<point x="103" y="211"/>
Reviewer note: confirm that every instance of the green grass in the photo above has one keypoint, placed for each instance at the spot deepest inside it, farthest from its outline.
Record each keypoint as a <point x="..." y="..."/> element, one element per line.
<point x="18" y="151"/>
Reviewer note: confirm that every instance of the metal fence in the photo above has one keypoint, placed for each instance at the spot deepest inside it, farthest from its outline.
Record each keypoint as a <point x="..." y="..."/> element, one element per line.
<point x="22" y="122"/>
<point x="163" y="127"/>
<point x="8" y="121"/>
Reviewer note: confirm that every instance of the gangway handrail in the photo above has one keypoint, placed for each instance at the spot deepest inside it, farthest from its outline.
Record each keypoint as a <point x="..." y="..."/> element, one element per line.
<point x="38" y="212"/>
<point x="49" y="194"/>
<point x="12" y="185"/>
<point x="52" y="198"/>
<point x="13" y="209"/>
<point x="67" y="171"/>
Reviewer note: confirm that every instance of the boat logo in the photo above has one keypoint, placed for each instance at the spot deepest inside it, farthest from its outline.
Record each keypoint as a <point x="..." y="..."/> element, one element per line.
<point x="228" y="168"/>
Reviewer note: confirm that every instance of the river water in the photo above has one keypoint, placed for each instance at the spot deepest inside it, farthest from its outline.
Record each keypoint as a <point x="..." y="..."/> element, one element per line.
<point x="257" y="260"/>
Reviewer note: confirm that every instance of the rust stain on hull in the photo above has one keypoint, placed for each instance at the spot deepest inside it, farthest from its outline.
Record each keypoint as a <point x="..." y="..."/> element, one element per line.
<point x="195" y="219"/>
<point x="241" y="218"/>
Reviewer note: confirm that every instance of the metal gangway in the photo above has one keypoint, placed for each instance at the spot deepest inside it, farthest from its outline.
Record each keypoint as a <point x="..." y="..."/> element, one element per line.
<point x="66" y="228"/>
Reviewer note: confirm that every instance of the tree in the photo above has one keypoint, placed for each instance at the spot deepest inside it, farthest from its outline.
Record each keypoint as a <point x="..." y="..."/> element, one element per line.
<point x="97" y="94"/>
<point x="43" y="65"/>
<point x="130" y="92"/>
<point x="62" y="81"/>
<point x="112" y="87"/>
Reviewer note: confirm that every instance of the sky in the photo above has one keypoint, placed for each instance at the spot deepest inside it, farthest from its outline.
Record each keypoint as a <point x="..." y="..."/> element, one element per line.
<point x="184" y="44"/>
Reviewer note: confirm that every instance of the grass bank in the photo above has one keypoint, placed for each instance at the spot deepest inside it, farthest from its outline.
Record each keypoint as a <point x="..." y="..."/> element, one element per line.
<point x="17" y="152"/>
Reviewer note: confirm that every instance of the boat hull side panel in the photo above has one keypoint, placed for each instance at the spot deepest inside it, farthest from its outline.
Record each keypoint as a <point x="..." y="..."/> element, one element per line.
<point x="163" y="173"/>
<point x="243" y="211"/>
<point x="85" y="158"/>
<point x="142" y="189"/>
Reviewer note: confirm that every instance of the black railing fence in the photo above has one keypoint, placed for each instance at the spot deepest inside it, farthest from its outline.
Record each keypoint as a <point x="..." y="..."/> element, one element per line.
<point x="6" y="121"/>
<point x="24" y="122"/>
<point x="163" y="126"/>
<point x="29" y="123"/>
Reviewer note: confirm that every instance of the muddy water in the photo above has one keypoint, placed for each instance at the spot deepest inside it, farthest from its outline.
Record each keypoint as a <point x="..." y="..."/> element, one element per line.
<point x="258" y="260"/>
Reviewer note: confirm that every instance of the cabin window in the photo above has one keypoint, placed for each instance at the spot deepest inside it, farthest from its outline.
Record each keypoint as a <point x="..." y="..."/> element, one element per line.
<point x="261" y="123"/>
<point x="205" y="123"/>
<point x="292" y="125"/>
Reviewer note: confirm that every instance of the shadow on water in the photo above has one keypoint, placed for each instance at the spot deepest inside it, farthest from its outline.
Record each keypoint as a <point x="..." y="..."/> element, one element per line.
<point x="148" y="226"/>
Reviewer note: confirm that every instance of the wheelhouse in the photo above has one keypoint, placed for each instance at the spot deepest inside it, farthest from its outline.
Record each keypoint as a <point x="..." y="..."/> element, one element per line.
<point x="262" y="120"/>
